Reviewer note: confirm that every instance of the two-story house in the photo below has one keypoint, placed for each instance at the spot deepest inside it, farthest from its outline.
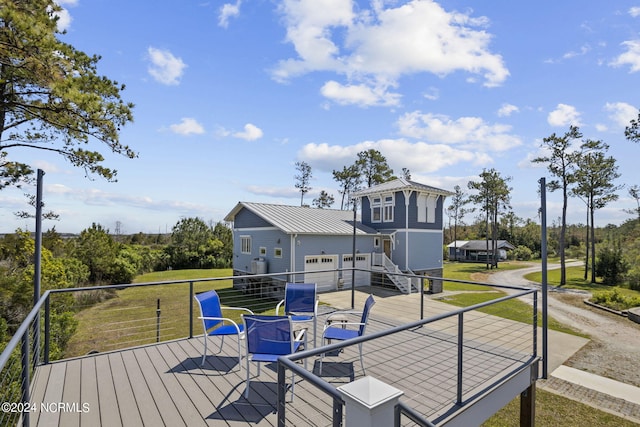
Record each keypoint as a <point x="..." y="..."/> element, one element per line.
<point x="399" y="230"/>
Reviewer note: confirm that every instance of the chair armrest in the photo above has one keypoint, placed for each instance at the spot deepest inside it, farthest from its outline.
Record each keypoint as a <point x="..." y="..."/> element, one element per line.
<point x="223" y="319"/>
<point x="278" y="307"/>
<point x="342" y="324"/>
<point x="238" y="309"/>
<point x="301" y="334"/>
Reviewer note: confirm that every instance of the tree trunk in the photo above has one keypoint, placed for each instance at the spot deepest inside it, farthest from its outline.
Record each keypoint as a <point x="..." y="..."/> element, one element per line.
<point x="593" y="243"/>
<point x="586" y="260"/>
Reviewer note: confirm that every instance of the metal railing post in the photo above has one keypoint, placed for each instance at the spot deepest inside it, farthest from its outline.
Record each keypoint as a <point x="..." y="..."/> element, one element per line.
<point x="47" y="328"/>
<point x="191" y="309"/>
<point x="535" y="323"/>
<point x="460" y="347"/>
<point x="337" y="413"/>
<point x="282" y="391"/>
<point x="25" y="376"/>
<point x="158" y="321"/>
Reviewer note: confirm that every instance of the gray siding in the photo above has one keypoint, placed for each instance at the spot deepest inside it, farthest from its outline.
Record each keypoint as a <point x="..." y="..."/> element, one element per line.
<point x="425" y="250"/>
<point x="331" y="245"/>
<point x="247" y="219"/>
<point x="268" y="239"/>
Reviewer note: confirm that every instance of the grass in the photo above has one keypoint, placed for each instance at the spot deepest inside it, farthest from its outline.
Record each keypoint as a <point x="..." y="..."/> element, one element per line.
<point x="475" y="294"/>
<point x="574" y="279"/>
<point x="553" y="410"/>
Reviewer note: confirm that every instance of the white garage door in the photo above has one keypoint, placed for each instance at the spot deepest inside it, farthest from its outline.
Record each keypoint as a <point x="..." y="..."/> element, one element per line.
<point x="363" y="278"/>
<point x="326" y="280"/>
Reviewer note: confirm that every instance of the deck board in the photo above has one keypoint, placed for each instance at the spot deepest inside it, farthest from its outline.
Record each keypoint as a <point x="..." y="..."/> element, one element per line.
<point x="124" y="393"/>
<point x="109" y="409"/>
<point x="165" y="384"/>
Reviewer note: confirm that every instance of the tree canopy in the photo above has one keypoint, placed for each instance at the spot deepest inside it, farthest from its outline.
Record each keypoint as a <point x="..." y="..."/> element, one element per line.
<point x="51" y="95"/>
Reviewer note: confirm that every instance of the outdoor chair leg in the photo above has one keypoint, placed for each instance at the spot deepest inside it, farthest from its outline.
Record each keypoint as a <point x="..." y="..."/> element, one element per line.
<point x="362" y="360"/>
<point x="204" y="355"/>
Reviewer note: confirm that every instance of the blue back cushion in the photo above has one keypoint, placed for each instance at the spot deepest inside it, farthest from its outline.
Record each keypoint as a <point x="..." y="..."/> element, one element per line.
<point x="210" y="307"/>
<point x="365" y="313"/>
<point x="268" y="334"/>
<point x="300" y="298"/>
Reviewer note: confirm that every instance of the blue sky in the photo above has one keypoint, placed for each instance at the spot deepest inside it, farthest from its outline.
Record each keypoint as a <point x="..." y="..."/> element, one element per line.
<point x="229" y="95"/>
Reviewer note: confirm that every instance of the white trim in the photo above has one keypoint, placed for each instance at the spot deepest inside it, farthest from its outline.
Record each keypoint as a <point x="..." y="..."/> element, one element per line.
<point x="257" y="229"/>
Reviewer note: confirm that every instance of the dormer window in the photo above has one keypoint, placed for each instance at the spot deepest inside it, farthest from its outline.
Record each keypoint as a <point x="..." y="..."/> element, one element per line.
<point x="382" y="208"/>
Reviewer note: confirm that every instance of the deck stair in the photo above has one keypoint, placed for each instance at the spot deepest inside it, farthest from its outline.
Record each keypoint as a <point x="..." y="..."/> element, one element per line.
<point x="404" y="284"/>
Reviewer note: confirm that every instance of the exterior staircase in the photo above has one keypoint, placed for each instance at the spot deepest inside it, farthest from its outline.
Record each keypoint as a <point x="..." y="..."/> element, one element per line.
<point x="405" y="284"/>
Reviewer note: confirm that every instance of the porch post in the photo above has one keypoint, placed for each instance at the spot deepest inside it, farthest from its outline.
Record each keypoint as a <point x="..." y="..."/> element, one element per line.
<point x="369" y="402"/>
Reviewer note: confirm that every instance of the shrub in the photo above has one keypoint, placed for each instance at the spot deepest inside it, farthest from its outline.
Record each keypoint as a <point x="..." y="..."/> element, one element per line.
<point x="522" y="253"/>
<point x="615" y="300"/>
<point x="611" y="265"/>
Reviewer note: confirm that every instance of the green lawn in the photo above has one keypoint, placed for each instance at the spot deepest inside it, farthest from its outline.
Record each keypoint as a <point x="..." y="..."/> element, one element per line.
<point x="129" y="318"/>
<point x="553" y="410"/>
<point x="512" y="309"/>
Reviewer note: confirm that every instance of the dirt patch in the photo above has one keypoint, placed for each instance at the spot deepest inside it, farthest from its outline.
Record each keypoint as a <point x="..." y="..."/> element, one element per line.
<point x="614" y="349"/>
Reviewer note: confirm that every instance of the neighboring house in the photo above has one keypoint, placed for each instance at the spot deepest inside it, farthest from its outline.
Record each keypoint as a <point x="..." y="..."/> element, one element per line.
<point x="476" y="250"/>
<point x="400" y="230"/>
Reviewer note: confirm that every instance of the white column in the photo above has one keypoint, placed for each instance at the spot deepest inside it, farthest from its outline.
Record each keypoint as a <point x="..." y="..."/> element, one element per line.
<point x="369" y="402"/>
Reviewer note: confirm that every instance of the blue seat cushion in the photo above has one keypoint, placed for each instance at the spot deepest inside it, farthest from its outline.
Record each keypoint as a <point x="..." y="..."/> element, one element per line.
<point x="340" y="334"/>
<point x="301" y="318"/>
<point x="226" y="330"/>
<point x="271" y="357"/>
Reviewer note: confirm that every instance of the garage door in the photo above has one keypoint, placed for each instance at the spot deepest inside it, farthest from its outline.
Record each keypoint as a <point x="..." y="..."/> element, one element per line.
<point x="326" y="280"/>
<point x="363" y="278"/>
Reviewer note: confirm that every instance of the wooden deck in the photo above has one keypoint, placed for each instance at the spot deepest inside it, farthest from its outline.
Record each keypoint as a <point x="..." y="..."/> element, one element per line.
<point x="165" y="384"/>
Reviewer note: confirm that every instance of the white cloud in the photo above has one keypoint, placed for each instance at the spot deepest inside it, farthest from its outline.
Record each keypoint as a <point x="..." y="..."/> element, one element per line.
<point x="187" y="126"/>
<point x="376" y="47"/>
<point x="468" y="132"/>
<point x="621" y="113"/>
<point x="250" y="133"/>
<point x="361" y="94"/>
<point x="631" y="57"/>
<point x="165" y="68"/>
<point x="399" y="153"/>
<point x="227" y="11"/>
<point x="432" y="94"/>
<point x="507" y="109"/>
<point x="634" y="11"/>
<point x="572" y="54"/>
<point x="63" y="15"/>
<point x="564" y="115"/>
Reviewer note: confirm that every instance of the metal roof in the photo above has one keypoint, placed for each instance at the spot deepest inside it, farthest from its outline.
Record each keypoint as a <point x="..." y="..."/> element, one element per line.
<point x="304" y="220"/>
<point x="400" y="184"/>
<point x="479" y="245"/>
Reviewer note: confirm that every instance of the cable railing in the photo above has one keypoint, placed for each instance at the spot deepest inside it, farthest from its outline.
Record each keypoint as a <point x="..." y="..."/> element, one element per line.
<point x="121" y="316"/>
<point x="469" y="351"/>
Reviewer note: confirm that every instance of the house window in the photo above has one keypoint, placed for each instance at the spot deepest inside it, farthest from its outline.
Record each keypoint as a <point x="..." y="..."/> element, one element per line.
<point x="376" y="209"/>
<point x="382" y="208"/>
<point x="263" y="251"/>
<point x="277" y="252"/>
<point x="245" y="244"/>
<point x="388" y="206"/>
<point x="376" y="242"/>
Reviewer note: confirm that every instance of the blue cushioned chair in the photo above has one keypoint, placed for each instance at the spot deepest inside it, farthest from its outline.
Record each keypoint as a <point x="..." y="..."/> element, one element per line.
<point x="301" y="303"/>
<point x="341" y="332"/>
<point x="215" y="324"/>
<point x="269" y="337"/>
